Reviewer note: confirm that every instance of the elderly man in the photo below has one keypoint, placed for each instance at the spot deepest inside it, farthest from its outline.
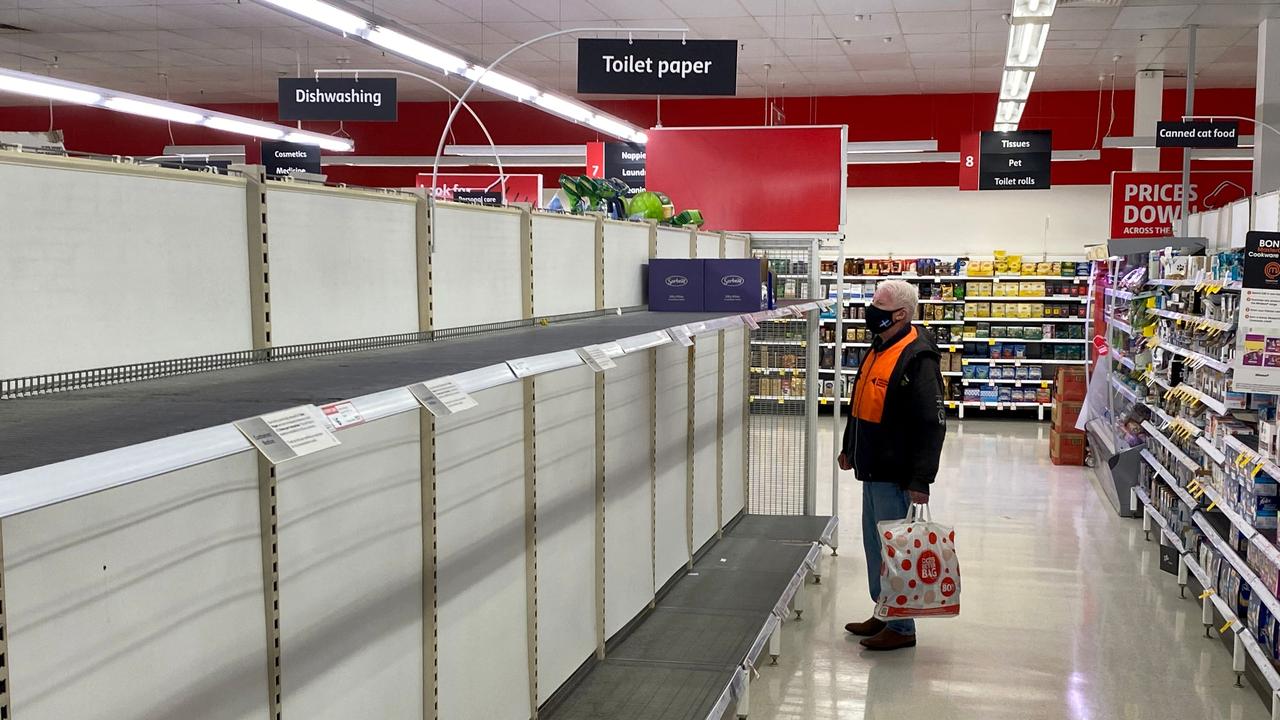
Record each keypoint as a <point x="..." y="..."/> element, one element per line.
<point x="894" y="435"/>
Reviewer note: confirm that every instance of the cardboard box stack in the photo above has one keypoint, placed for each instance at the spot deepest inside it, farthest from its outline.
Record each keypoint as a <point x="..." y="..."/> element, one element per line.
<point x="1066" y="443"/>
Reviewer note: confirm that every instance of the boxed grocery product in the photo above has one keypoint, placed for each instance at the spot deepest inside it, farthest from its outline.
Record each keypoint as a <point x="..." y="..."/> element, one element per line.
<point x="677" y="285"/>
<point x="1070" y="383"/>
<point x="735" y="285"/>
<point x="1065" y="414"/>
<point x="1028" y="268"/>
<point x="1066" y="449"/>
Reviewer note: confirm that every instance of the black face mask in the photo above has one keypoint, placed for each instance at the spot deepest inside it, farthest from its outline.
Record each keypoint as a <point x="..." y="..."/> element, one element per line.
<point x="879" y="320"/>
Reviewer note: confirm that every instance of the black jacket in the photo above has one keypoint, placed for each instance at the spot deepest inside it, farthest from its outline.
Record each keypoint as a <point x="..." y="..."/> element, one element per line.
<point x="905" y="446"/>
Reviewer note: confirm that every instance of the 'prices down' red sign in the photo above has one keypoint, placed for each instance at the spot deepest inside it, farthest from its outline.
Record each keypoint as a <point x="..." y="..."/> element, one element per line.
<point x="1149" y="204"/>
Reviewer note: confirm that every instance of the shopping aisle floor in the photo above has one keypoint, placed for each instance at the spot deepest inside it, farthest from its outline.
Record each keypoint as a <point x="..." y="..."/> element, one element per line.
<point x="1065" y="612"/>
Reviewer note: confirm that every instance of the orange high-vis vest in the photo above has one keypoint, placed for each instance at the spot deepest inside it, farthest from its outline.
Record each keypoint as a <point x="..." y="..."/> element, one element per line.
<point x="873" y="379"/>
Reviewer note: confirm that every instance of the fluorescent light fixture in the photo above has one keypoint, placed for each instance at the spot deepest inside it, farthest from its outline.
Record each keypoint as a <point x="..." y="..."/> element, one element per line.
<point x="39" y="86"/>
<point x="495" y="80"/>
<point x="904" y="158"/>
<point x="244" y="127"/>
<point x="1009" y="112"/>
<point x="14" y="82"/>
<point x="323" y="13"/>
<point x="158" y="111"/>
<point x="1016" y="84"/>
<point x="371" y="30"/>
<point x="426" y="161"/>
<point x="883" y="146"/>
<point x="401" y="44"/>
<point x="517" y="150"/>
<point x="326" y="142"/>
<point x="1033" y="8"/>
<point x="1006" y="127"/>
<point x="562" y="107"/>
<point x="640" y="138"/>
<point x="1026" y="44"/>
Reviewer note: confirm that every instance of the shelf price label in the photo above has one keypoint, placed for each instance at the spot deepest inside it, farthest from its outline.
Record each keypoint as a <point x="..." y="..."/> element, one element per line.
<point x="342" y="415"/>
<point x="442" y="397"/>
<point x="681" y="335"/>
<point x="596" y="358"/>
<point x="289" y="434"/>
<point x="751" y="322"/>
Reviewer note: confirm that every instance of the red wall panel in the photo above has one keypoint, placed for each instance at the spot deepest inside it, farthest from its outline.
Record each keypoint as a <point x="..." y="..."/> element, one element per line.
<point x="1073" y="117"/>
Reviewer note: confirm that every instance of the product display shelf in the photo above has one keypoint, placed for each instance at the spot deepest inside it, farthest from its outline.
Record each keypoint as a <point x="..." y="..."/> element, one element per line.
<point x="1197" y="320"/>
<point x="1151" y="512"/>
<point x="1241" y="632"/>
<point x="777" y="371"/>
<point x="785" y="343"/>
<point x="1018" y="362"/>
<point x="1171" y="446"/>
<point x="1022" y="298"/>
<point x="1043" y="383"/>
<point x="1120" y="325"/>
<point x="1238" y="563"/>
<point x="1208" y="448"/>
<point x="1174" y="282"/>
<point x="1242" y="448"/>
<point x="1163" y="473"/>
<point x="1203" y="359"/>
<point x="1029" y="321"/>
<point x="1124" y="360"/>
<point x="1205" y="399"/>
<point x="1124" y="391"/>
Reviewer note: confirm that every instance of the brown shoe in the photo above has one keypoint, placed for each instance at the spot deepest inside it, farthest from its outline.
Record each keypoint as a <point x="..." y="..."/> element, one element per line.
<point x="889" y="640"/>
<point x="867" y="628"/>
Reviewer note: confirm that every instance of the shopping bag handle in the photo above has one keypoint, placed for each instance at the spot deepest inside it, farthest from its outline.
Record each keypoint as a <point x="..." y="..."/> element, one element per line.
<point x="919" y="512"/>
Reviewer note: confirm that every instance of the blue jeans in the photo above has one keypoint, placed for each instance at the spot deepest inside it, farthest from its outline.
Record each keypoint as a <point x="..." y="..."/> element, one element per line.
<point x="880" y="502"/>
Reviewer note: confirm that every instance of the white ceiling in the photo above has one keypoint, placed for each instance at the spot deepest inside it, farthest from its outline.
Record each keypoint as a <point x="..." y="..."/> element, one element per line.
<point x="228" y="51"/>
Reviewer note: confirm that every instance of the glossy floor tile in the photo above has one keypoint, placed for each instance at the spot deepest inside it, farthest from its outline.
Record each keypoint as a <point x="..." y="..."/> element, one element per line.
<point x="1064" y="612"/>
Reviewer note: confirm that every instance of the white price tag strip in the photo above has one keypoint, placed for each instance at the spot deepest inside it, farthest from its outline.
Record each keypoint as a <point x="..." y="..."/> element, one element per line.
<point x="678" y="334"/>
<point x="521" y="368"/>
<point x="288" y="434"/>
<point x="751" y="322"/>
<point x="596" y="358"/>
<point x="442" y="396"/>
<point x="342" y="415"/>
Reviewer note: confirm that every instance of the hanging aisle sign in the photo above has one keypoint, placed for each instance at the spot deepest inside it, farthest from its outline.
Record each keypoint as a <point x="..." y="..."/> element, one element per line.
<point x="623" y="161"/>
<point x="337" y="99"/>
<point x="657" y="67"/>
<point x="286" y="158"/>
<point x="1017" y="160"/>
<point x="1257" y="359"/>
<point x="1198" y="134"/>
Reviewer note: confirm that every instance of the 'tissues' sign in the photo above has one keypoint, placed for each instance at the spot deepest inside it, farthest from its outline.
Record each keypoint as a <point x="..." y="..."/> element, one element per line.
<point x="657" y="67"/>
<point x="1015" y="160"/>
<point x="1149" y="204"/>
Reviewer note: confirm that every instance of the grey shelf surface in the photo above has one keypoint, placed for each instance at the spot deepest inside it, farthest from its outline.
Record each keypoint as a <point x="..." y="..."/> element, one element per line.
<point x="682" y="656"/>
<point x="46" y="429"/>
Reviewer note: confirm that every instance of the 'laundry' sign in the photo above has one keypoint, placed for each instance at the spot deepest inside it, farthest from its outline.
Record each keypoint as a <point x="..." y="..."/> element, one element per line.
<point x="657" y="67"/>
<point x="337" y="99"/>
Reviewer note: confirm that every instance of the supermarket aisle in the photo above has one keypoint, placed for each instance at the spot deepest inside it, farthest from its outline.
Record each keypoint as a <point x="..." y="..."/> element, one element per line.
<point x="1065" y="613"/>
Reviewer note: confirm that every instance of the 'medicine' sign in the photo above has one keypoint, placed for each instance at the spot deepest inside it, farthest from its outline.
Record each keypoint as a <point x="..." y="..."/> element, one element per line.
<point x="1149" y="204"/>
<point x="657" y="67"/>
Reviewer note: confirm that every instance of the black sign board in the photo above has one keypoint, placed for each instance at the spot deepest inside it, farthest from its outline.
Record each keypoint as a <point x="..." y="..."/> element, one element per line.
<point x="1016" y="160"/>
<point x="478" y="197"/>
<point x="286" y="158"/>
<point x="1262" y="260"/>
<point x="337" y="99"/>
<point x="1198" y="134"/>
<point x="657" y="67"/>
<point x="1168" y="560"/>
<point x="625" y="162"/>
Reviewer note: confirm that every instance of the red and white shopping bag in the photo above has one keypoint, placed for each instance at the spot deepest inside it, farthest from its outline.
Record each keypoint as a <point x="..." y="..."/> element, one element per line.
<point x="919" y="570"/>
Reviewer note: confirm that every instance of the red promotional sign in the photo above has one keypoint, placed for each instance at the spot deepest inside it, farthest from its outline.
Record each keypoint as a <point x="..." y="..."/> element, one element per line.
<point x="718" y="171"/>
<point x="1149" y="204"/>
<point x="970" y="152"/>
<point x="524" y="188"/>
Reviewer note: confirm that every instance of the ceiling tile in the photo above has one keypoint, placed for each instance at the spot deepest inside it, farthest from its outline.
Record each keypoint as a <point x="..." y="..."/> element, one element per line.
<point x="853" y="7"/>
<point x="941" y="42"/>
<point x="932" y="22"/>
<point x="1177" y="56"/>
<point x="702" y="8"/>
<point x="903" y="6"/>
<point x="874" y="25"/>
<point x="883" y="61"/>
<point x="1235" y="14"/>
<point x="1059" y="58"/>
<point x="730" y="28"/>
<point x="1212" y="37"/>
<point x="1067" y="18"/>
<point x="879" y="76"/>
<point x="520" y="31"/>
<point x="1147" y="18"/>
<point x="1131" y="39"/>
<point x="631" y="10"/>
<point x="821" y="63"/>
<point x="1240" y="54"/>
<point x="817" y="46"/>
<point x="562" y="10"/>
<point x="929" y="60"/>
<point x="762" y="8"/>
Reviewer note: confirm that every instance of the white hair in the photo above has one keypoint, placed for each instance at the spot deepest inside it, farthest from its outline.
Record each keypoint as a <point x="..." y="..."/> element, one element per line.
<point x="900" y="294"/>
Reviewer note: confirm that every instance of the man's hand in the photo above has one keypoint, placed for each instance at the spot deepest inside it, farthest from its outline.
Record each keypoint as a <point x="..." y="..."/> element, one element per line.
<point x="844" y="462"/>
<point x="918" y="498"/>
